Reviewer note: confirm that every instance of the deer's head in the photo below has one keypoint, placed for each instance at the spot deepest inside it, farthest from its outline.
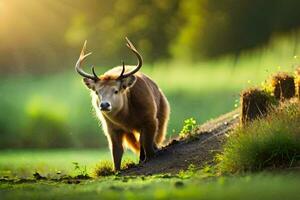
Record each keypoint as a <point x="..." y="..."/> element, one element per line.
<point x="110" y="87"/>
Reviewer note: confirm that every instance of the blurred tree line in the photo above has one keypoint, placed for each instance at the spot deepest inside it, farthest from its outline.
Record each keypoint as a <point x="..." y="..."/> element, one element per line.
<point x="45" y="35"/>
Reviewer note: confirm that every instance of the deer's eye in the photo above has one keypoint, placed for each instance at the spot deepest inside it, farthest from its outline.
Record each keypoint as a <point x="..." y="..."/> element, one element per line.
<point x="116" y="92"/>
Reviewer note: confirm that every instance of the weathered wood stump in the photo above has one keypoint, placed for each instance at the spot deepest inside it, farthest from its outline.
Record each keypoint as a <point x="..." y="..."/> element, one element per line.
<point x="255" y="103"/>
<point x="283" y="86"/>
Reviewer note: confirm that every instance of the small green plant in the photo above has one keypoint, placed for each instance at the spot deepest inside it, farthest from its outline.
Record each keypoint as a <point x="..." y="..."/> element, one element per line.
<point x="188" y="126"/>
<point x="81" y="171"/>
<point x="191" y="170"/>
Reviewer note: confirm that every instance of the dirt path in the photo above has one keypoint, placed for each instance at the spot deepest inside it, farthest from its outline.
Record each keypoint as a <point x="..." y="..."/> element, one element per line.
<point x="197" y="149"/>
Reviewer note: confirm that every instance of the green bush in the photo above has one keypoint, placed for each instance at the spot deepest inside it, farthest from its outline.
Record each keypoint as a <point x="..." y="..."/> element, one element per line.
<point x="268" y="143"/>
<point x="46" y="125"/>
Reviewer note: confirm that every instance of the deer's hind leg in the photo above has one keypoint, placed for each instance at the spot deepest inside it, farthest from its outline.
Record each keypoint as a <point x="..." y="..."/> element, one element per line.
<point x="147" y="138"/>
<point x="163" y="119"/>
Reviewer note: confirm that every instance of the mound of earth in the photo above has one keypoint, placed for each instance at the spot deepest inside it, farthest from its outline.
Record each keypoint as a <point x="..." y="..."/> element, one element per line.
<point x="198" y="148"/>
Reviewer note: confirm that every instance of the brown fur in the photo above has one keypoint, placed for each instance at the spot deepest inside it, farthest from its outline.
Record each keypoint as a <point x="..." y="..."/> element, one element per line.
<point x="141" y="122"/>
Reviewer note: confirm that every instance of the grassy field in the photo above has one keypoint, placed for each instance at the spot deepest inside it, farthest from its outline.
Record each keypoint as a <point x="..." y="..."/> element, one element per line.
<point x="189" y="184"/>
<point x="23" y="163"/>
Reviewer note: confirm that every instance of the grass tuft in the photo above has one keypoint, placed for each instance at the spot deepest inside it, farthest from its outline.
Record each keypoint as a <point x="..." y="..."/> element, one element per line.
<point x="127" y="164"/>
<point x="267" y="143"/>
<point x="103" y="168"/>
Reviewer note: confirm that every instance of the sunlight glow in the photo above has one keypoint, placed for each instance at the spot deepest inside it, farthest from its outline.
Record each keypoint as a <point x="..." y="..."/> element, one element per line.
<point x="29" y="24"/>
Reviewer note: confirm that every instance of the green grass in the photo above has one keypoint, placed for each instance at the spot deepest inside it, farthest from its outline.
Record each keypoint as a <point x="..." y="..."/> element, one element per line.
<point x="191" y="184"/>
<point x="260" y="186"/>
<point x="23" y="163"/>
<point x="268" y="143"/>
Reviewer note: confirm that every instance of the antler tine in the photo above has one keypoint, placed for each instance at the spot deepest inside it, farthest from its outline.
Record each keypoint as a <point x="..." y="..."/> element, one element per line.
<point x="94" y="73"/>
<point x="139" y="57"/>
<point x="130" y="45"/>
<point x="122" y="72"/>
<point x="79" y="62"/>
<point x="82" y="53"/>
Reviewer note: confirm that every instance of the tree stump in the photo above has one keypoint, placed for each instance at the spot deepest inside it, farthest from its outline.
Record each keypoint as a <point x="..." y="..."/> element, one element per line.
<point x="283" y="86"/>
<point x="255" y="103"/>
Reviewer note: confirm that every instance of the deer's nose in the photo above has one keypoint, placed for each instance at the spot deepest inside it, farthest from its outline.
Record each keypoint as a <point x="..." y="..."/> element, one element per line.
<point x="105" y="106"/>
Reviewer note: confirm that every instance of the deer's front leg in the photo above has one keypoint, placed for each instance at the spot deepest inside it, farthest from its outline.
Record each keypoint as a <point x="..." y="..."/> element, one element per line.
<point x="117" y="149"/>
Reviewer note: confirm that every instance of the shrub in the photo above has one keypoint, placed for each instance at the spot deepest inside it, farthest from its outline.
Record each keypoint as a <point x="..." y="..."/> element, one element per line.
<point x="46" y="126"/>
<point x="271" y="142"/>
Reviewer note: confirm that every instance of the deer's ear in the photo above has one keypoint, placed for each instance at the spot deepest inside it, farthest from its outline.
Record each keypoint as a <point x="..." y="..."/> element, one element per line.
<point x="128" y="82"/>
<point x="90" y="84"/>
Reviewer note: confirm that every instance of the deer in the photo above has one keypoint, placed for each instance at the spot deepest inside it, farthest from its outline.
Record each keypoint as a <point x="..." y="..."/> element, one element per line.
<point x="132" y="109"/>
